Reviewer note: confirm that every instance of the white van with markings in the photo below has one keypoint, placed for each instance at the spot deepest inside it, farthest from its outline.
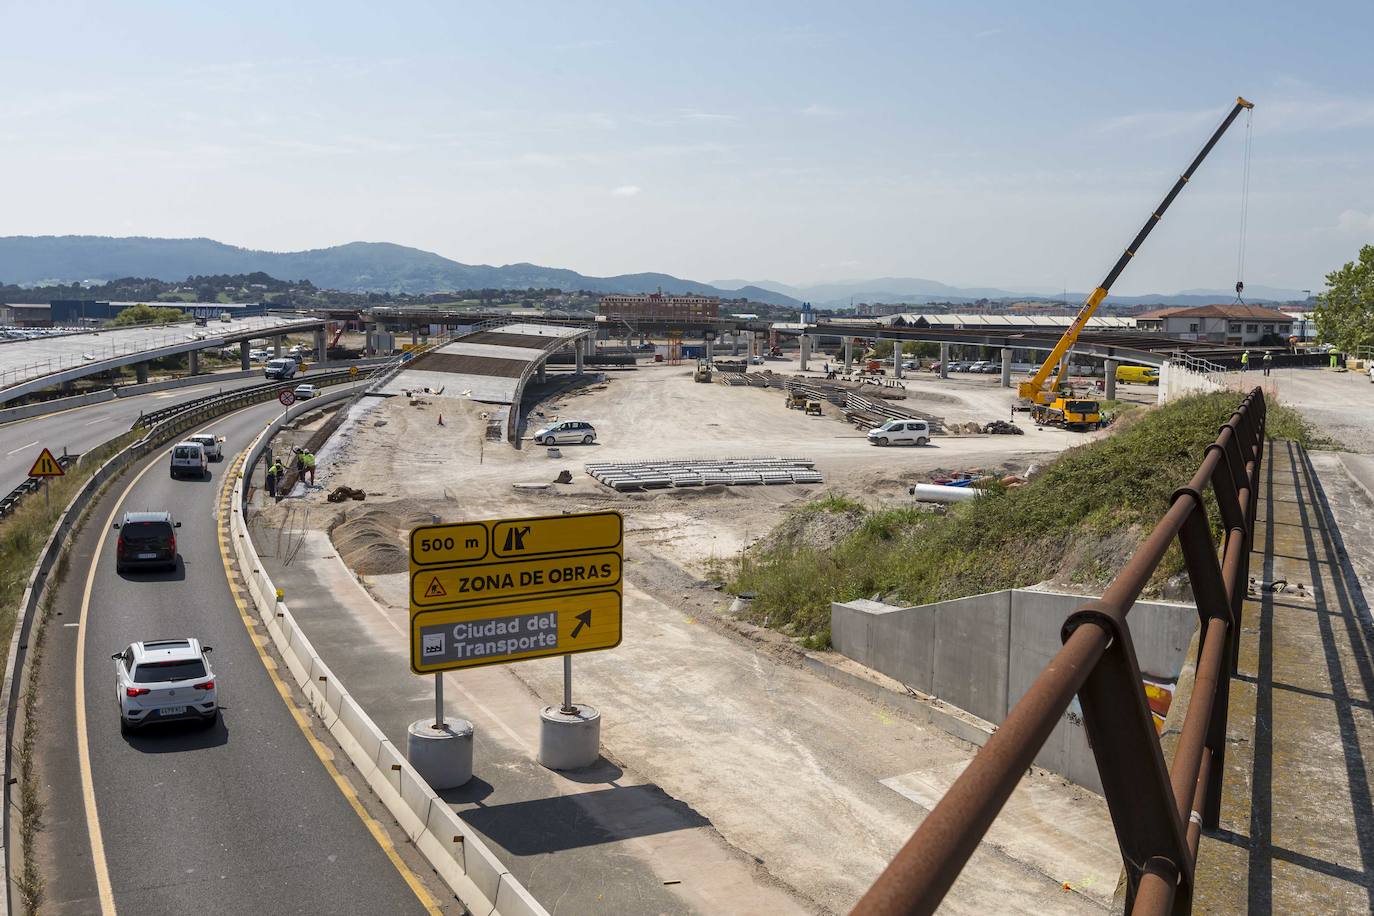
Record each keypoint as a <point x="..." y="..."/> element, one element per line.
<point x="188" y="460"/>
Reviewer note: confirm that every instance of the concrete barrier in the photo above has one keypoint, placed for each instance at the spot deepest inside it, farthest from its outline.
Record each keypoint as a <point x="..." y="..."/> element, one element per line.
<point x="457" y="854"/>
<point x="25" y="411"/>
<point x="982" y="653"/>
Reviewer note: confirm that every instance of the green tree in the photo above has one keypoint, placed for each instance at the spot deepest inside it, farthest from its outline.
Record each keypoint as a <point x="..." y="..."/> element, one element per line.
<point x="1345" y="311"/>
<point x="143" y="313"/>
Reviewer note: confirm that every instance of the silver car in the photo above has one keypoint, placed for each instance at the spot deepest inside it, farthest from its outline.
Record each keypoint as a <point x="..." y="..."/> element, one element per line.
<point x="565" y="431"/>
<point x="165" y="680"/>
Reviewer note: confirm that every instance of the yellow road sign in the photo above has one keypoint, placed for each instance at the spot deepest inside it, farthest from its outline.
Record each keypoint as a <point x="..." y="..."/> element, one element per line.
<point x="45" y="465"/>
<point x="524" y="580"/>
<point x="352" y="371"/>
<point x="444" y="586"/>
<point x="510" y="631"/>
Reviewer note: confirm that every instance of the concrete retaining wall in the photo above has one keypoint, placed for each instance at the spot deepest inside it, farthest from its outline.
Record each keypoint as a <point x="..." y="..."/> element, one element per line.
<point x="982" y="653"/>
<point x="10" y="414"/>
<point x="457" y="854"/>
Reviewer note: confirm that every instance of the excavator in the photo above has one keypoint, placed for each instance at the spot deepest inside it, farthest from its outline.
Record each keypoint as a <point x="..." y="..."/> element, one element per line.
<point x="1057" y="405"/>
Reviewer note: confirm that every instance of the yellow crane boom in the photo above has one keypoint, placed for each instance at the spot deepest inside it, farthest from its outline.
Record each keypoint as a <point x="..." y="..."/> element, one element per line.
<point x="1035" y="389"/>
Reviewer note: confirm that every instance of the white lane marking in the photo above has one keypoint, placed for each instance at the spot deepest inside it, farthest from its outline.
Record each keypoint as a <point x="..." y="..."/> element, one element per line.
<point x="71" y="624"/>
<point x="22" y="447"/>
<point x="95" y="421"/>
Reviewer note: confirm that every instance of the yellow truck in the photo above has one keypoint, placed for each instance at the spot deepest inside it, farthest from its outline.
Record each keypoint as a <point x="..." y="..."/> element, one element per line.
<point x="1139" y="375"/>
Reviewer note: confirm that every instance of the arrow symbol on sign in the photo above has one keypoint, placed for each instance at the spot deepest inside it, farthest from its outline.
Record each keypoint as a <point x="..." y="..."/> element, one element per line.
<point x="583" y="620"/>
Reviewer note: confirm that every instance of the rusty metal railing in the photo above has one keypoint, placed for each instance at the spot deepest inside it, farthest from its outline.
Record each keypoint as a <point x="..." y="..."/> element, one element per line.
<point x="1158" y="814"/>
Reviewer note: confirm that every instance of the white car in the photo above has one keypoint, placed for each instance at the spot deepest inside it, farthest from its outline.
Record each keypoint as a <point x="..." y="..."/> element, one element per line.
<point x="210" y="443"/>
<point x="900" y="432"/>
<point x="165" y="680"/>
<point x="188" y="460"/>
<point x="566" y="431"/>
<point x="305" y="392"/>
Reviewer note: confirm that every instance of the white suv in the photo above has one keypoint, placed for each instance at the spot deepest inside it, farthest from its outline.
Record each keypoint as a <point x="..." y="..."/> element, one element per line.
<point x="210" y="443"/>
<point x="566" y="431"/>
<point x="898" y="432"/>
<point x="188" y="460"/>
<point x="165" y="680"/>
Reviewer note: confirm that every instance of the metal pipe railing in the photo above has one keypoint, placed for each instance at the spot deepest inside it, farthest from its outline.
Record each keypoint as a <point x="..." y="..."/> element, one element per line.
<point x="1158" y="814"/>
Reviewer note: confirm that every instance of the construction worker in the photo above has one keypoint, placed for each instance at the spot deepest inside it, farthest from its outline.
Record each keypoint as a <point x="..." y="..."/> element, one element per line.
<point x="1268" y="361"/>
<point x="1245" y="361"/>
<point x="1333" y="359"/>
<point x="274" y="476"/>
<point x="308" y="461"/>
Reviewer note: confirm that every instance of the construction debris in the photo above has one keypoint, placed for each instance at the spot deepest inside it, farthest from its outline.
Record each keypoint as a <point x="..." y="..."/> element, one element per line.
<point x="341" y="493"/>
<point x="1003" y="428"/>
<point x="645" y="475"/>
<point x="564" y="476"/>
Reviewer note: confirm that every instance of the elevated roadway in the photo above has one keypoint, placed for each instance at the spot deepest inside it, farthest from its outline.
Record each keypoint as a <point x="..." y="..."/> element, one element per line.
<point x="245" y="817"/>
<point x="42" y="362"/>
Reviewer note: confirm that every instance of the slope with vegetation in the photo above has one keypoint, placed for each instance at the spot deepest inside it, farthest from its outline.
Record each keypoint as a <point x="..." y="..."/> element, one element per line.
<point x="1074" y="524"/>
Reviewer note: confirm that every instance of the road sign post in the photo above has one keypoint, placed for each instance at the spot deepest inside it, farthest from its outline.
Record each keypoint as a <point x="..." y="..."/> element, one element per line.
<point x="504" y="590"/>
<point x="45" y="467"/>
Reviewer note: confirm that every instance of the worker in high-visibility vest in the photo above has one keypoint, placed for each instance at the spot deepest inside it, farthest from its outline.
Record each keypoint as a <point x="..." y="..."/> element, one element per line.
<point x="1245" y="361"/>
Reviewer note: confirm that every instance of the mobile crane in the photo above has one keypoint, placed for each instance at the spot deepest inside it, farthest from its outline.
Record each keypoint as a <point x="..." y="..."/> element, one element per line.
<point x="1050" y="406"/>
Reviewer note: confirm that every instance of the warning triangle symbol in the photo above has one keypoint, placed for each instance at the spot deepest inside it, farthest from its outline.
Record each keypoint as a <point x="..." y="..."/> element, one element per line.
<point x="46" y="466"/>
<point x="435" y="590"/>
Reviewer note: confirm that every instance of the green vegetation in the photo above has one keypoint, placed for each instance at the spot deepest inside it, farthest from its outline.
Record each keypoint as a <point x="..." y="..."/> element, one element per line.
<point x="143" y="313"/>
<point x="1345" y="312"/>
<point x="23" y="534"/>
<point x="1075" y="522"/>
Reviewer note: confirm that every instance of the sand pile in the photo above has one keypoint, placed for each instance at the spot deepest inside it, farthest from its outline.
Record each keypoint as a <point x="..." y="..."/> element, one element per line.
<point x="372" y="540"/>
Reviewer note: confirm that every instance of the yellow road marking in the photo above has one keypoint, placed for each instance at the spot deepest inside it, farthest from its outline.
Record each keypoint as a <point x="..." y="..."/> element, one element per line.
<point x="325" y="755"/>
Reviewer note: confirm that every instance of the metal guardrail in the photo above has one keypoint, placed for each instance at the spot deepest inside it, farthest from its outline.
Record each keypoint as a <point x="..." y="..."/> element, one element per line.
<point x="327" y="377"/>
<point x="1158" y="813"/>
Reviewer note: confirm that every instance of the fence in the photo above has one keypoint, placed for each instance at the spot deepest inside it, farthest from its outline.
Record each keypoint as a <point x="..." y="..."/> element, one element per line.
<point x="1158" y="813"/>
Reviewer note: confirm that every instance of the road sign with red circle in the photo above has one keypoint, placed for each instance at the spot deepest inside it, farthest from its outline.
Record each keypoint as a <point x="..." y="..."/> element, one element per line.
<point x="286" y="398"/>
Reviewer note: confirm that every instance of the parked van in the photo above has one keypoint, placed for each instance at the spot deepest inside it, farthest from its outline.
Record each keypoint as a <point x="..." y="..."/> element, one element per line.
<point x="1139" y="375"/>
<point x="281" y="368"/>
<point x="900" y="432"/>
<point x="188" y="460"/>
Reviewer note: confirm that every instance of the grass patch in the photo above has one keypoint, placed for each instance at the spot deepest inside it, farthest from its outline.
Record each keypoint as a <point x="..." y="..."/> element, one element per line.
<point x="1076" y="522"/>
<point x="23" y="534"/>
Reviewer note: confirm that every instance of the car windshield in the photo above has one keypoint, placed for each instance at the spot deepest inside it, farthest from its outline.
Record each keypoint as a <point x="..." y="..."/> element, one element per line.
<point x="1082" y="406"/>
<point x="163" y="672"/>
<point x="146" y="532"/>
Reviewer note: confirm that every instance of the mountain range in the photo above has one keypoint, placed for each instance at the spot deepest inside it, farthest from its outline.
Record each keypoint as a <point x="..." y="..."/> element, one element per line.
<point x="386" y="267"/>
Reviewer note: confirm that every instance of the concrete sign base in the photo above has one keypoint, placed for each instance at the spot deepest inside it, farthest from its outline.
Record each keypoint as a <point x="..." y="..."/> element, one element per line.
<point x="442" y="756"/>
<point x="569" y="741"/>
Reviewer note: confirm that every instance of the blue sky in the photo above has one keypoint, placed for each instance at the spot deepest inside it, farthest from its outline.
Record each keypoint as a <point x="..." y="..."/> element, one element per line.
<point x="998" y="145"/>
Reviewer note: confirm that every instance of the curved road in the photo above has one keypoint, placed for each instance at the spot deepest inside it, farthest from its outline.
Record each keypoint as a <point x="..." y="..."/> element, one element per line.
<point x="240" y="818"/>
<point x="80" y="429"/>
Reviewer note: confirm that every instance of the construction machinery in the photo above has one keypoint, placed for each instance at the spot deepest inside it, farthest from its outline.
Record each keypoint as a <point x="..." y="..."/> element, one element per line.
<point x="703" y="371"/>
<point x="796" y="400"/>
<point x="813" y="408"/>
<point x="1055" y="405"/>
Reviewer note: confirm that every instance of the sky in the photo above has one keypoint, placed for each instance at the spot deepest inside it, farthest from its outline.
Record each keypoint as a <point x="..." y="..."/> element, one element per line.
<point x="999" y="144"/>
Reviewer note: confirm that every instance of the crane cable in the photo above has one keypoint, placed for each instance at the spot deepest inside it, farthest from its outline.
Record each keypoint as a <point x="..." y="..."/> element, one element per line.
<point x="1244" y="210"/>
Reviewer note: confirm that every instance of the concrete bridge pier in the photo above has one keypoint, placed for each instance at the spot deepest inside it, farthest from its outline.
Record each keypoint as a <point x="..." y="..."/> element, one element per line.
<point x="897" y="358"/>
<point x="578" y="346"/>
<point x="370" y="347"/>
<point x="848" y="355"/>
<point x="1109" y="380"/>
<point x="710" y="349"/>
<point x="245" y="361"/>
<point x="276" y="346"/>
<point x="540" y="376"/>
<point x="193" y="362"/>
<point x="1006" y="367"/>
<point x="805" y="350"/>
<point x="944" y="360"/>
<point x="141" y="373"/>
<point x="321" y="353"/>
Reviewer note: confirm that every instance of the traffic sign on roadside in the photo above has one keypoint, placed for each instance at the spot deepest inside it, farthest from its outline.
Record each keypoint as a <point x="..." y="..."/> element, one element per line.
<point x="352" y="371"/>
<point x="286" y="397"/>
<point x="45" y="465"/>
<point x="502" y="590"/>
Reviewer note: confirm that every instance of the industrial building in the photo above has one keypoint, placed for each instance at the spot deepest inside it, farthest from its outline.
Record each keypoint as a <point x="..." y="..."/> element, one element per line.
<point x="658" y="306"/>
<point x="1237" y="325"/>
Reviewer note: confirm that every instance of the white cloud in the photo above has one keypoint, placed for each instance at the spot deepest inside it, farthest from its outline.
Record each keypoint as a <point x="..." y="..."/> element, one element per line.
<point x="693" y="114"/>
<point x="1355" y="222"/>
<point x="626" y="190"/>
<point x="816" y="110"/>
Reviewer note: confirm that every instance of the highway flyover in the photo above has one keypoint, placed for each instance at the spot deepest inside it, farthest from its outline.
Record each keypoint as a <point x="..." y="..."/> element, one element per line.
<point x="253" y="815"/>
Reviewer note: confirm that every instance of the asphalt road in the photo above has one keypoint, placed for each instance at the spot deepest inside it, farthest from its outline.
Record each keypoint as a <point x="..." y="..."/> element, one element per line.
<point x="239" y="818"/>
<point x="81" y="429"/>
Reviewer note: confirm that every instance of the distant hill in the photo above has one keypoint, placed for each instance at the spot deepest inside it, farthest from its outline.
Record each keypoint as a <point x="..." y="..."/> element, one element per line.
<point x="357" y="267"/>
<point x="916" y="291"/>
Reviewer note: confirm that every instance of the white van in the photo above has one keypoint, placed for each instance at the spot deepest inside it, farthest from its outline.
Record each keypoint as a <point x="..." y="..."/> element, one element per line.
<point x="900" y="432"/>
<point x="281" y="368"/>
<point x="188" y="460"/>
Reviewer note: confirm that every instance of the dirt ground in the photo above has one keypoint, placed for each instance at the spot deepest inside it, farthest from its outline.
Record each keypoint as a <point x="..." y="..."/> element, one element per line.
<point x="764" y="749"/>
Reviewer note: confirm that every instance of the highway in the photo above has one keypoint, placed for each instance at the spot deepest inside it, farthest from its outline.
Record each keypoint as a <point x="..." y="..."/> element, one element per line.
<point x="244" y="817"/>
<point x="81" y="429"/>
